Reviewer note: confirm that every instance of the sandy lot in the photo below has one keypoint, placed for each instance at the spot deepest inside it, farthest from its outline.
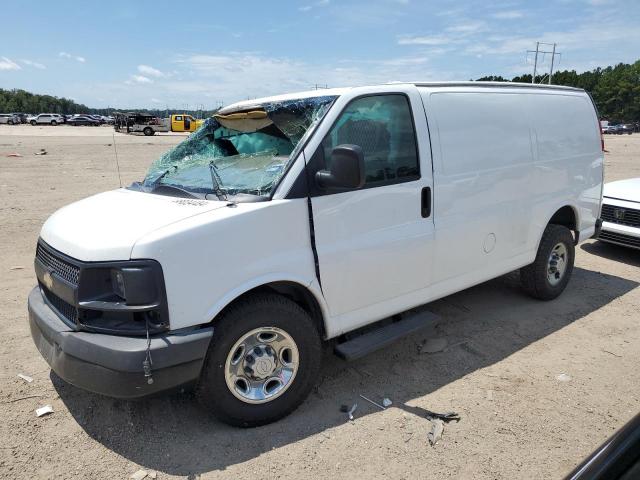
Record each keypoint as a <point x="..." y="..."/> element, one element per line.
<point x="499" y="370"/>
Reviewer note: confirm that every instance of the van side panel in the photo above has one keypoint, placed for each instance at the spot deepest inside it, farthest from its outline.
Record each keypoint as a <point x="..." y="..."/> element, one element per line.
<point x="569" y="161"/>
<point x="483" y="159"/>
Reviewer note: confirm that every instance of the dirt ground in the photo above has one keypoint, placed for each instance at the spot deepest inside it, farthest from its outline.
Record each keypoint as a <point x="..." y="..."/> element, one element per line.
<point x="499" y="369"/>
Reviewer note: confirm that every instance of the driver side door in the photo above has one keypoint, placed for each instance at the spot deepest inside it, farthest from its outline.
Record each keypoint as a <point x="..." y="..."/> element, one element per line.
<point x="374" y="244"/>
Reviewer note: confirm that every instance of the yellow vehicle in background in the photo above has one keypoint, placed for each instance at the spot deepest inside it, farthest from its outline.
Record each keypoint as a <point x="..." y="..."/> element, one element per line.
<point x="185" y="123"/>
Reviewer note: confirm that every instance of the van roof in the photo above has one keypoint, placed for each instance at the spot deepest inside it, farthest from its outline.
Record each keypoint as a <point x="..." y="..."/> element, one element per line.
<point x="246" y="104"/>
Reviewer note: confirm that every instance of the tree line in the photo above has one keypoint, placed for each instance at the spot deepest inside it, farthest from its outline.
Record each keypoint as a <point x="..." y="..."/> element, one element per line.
<point x="615" y="90"/>
<point x="21" y="101"/>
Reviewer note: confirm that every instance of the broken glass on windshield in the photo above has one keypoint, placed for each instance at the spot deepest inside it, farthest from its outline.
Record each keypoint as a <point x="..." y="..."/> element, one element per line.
<point x="239" y="152"/>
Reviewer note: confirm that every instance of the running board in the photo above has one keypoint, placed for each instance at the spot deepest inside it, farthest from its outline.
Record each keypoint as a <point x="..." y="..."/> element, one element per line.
<point x="381" y="337"/>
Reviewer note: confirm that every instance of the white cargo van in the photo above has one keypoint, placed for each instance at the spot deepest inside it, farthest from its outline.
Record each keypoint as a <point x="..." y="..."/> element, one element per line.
<point x="286" y="222"/>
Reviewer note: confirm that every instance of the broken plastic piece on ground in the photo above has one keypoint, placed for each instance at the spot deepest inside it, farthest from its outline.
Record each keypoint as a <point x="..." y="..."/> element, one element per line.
<point x="26" y="378"/>
<point x="14" y="154"/>
<point x="44" y="410"/>
<point x="386" y="402"/>
<point x="447" y="417"/>
<point x="41" y="152"/>
<point x="17" y="267"/>
<point x="563" y="377"/>
<point x="350" y="412"/>
<point x="139" y="475"/>
<point x="435" y="434"/>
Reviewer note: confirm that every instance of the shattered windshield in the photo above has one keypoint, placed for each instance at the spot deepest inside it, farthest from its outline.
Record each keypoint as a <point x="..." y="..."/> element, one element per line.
<point x="242" y="152"/>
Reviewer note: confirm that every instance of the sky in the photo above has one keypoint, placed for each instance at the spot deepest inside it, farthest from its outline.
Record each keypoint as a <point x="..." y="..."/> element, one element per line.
<point x="200" y="54"/>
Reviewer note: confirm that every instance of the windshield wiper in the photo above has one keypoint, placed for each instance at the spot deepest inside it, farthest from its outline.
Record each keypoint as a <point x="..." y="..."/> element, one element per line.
<point x="217" y="182"/>
<point x="166" y="172"/>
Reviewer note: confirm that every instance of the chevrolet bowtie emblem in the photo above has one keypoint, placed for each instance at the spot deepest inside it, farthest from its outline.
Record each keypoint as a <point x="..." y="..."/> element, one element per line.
<point x="47" y="280"/>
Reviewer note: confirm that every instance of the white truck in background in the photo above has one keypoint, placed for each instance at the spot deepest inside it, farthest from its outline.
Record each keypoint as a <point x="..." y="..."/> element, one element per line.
<point x="286" y="222"/>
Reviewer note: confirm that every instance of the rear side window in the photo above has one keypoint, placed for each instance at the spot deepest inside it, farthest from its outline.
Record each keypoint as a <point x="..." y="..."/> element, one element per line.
<point x="383" y="127"/>
<point x="481" y="131"/>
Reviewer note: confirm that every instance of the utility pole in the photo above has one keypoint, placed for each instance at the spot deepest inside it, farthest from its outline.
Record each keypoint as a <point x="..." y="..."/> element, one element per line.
<point x="535" y="63"/>
<point x="537" y="52"/>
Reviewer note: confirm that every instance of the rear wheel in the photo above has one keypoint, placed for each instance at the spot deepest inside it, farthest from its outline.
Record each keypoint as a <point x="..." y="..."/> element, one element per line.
<point x="548" y="275"/>
<point x="148" y="131"/>
<point x="262" y="362"/>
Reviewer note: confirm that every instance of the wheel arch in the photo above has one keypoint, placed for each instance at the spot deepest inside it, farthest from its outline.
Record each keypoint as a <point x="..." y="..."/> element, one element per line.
<point x="566" y="215"/>
<point x="303" y="295"/>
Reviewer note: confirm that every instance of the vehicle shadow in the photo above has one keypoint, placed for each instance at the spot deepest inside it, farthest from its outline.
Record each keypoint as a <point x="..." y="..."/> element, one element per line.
<point x="613" y="252"/>
<point x="482" y="326"/>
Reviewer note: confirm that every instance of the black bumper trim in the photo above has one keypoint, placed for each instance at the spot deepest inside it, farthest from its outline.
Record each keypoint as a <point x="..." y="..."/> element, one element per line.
<point x="112" y="365"/>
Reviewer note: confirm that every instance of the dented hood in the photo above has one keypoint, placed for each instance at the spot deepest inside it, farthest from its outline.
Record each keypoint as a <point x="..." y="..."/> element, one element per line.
<point x="106" y="226"/>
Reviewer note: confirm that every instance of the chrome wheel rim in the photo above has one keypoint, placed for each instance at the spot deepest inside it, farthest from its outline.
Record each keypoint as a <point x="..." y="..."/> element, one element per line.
<point x="261" y="365"/>
<point x="557" y="264"/>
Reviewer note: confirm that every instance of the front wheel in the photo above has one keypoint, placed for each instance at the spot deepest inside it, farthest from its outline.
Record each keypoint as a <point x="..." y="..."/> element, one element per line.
<point x="548" y="275"/>
<point x="148" y="131"/>
<point x="54" y="123"/>
<point x="33" y="122"/>
<point x="263" y="361"/>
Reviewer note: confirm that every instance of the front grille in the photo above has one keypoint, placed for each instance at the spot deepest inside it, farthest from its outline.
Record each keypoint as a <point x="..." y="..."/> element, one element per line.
<point x="65" y="309"/>
<point x="621" y="215"/>
<point x="620" y="238"/>
<point x="55" y="264"/>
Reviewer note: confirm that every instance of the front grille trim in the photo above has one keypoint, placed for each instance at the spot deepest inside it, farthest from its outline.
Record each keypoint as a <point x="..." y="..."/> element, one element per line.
<point x="631" y="215"/>
<point x="619" y="239"/>
<point x="65" y="311"/>
<point x="53" y="262"/>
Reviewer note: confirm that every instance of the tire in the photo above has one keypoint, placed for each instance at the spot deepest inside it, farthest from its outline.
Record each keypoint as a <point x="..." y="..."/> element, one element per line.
<point x="10" y="122"/>
<point x="53" y="123"/>
<point x="148" y="132"/>
<point x="33" y="122"/>
<point x="538" y="279"/>
<point x="260" y="311"/>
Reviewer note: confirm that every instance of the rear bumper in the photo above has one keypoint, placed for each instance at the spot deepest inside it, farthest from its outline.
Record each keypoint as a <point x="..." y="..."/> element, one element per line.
<point x="112" y="365"/>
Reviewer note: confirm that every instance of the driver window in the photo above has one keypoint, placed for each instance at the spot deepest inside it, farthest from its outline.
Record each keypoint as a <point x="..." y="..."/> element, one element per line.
<point x="382" y="126"/>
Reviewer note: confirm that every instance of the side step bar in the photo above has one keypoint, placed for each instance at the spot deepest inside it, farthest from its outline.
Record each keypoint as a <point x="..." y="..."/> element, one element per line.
<point x="381" y="337"/>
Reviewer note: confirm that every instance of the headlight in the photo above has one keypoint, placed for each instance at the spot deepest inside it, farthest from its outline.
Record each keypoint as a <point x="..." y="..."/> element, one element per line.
<point x="124" y="297"/>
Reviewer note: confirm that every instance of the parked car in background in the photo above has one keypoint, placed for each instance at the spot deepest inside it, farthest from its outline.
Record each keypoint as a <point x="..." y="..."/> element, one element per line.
<point x="47" y="119"/>
<point x="608" y="129"/>
<point x="621" y="213"/>
<point x="9" y="119"/>
<point x="21" y="116"/>
<point x="626" y="128"/>
<point x="86" y="120"/>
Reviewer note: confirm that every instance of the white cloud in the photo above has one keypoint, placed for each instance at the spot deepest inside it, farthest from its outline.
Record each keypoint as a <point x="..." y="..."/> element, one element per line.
<point x="74" y="57"/>
<point x="319" y="3"/>
<point x="33" y="64"/>
<point x="150" y="71"/>
<point x="423" y="40"/>
<point x="138" y="79"/>
<point x="8" y="64"/>
<point x="508" y="15"/>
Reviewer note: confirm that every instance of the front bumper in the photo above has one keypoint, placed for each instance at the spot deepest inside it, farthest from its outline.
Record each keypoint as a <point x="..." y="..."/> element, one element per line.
<point x="112" y="365"/>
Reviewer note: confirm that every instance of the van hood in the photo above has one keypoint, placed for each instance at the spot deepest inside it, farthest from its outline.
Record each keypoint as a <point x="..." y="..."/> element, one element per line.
<point x="106" y="226"/>
<point x="628" y="190"/>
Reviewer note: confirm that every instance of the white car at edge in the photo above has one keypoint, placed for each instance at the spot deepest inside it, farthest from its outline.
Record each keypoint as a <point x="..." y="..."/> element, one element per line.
<point x="621" y="213"/>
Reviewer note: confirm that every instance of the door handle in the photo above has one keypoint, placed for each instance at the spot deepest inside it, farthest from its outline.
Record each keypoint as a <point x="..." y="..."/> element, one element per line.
<point x="425" y="202"/>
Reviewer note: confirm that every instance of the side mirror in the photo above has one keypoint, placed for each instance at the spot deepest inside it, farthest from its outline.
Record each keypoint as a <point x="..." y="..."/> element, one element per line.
<point x="347" y="168"/>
